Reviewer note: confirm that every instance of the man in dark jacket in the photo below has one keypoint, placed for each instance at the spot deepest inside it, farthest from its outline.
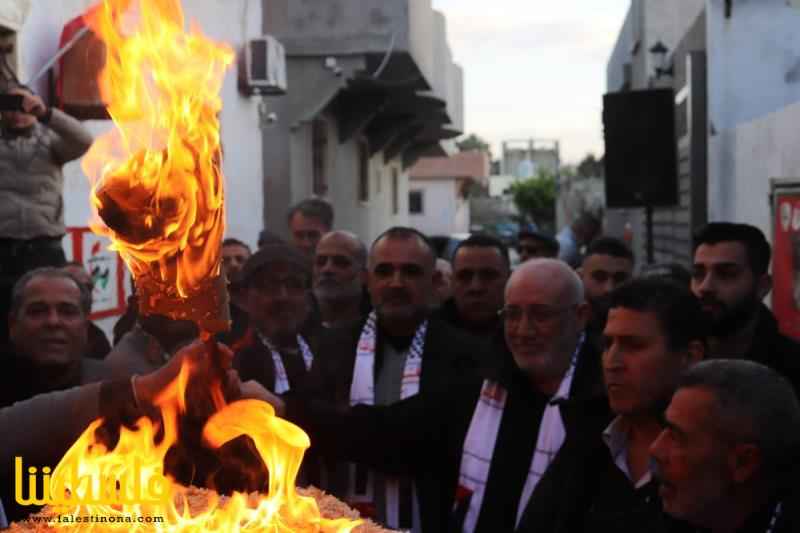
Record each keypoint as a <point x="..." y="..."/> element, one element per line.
<point x="727" y="457"/>
<point x="730" y="277"/>
<point x="339" y="276"/>
<point x="395" y="353"/>
<point x="655" y="331"/>
<point x="480" y="270"/>
<point x="48" y="336"/>
<point x="478" y="446"/>
<point x="276" y="352"/>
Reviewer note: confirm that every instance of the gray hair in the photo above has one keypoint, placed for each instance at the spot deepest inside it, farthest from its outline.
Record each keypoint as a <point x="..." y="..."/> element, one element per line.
<point x="360" y="249"/>
<point x="755" y="404"/>
<point x="18" y="292"/>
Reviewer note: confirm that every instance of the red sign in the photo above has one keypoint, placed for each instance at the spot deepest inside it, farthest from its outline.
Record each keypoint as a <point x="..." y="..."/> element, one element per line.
<point x="786" y="261"/>
<point x="105" y="267"/>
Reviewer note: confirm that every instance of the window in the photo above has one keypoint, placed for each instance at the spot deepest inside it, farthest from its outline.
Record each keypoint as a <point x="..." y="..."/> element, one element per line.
<point x="319" y="149"/>
<point x="363" y="171"/>
<point x="395" y="192"/>
<point x="415" y="202"/>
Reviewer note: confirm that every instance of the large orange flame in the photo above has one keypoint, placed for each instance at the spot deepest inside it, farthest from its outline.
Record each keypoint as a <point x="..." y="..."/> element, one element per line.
<point x="157" y="182"/>
<point x="135" y="470"/>
<point x="158" y="191"/>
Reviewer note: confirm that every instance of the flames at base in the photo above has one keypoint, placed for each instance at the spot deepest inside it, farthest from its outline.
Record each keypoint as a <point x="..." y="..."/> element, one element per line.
<point x="129" y="481"/>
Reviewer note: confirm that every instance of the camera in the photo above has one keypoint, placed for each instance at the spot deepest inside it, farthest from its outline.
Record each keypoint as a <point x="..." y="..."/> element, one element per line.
<point x="11" y="102"/>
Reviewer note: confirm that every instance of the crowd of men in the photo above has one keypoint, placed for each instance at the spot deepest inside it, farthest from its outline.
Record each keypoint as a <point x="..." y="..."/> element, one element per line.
<point x="460" y="394"/>
<point x="471" y="397"/>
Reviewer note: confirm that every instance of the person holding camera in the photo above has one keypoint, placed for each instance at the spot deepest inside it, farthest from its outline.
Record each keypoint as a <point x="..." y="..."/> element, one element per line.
<point x="35" y="142"/>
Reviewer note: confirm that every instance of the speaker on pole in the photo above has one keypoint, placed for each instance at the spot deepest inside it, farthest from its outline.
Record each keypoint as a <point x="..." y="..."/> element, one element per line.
<point x="641" y="152"/>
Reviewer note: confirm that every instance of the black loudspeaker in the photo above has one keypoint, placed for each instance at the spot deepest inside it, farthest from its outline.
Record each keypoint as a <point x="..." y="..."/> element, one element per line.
<point x="641" y="149"/>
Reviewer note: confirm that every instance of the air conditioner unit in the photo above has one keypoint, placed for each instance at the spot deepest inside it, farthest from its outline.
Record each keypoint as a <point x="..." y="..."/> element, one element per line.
<point x="263" y="67"/>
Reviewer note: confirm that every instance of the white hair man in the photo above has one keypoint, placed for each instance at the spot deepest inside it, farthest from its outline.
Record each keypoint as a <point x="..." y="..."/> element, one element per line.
<point x="449" y="438"/>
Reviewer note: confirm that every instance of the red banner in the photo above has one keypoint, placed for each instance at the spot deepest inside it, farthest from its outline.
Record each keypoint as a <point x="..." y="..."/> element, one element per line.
<point x="105" y="267"/>
<point x="786" y="261"/>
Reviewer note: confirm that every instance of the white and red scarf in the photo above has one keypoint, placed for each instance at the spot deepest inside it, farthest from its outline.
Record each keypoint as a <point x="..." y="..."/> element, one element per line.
<point x="362" y="391"/>
<point x="476" y="459"/>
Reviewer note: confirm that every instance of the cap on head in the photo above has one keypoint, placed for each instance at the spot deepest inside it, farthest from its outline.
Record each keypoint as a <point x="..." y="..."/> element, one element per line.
<point x="274" y="253"/>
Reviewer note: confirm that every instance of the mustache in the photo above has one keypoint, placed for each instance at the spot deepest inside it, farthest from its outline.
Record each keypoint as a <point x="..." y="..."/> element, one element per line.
<point x="710" y="300"/>
<point x="396" y="294"/>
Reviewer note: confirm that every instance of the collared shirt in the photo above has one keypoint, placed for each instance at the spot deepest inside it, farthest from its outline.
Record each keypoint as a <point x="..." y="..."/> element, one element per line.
<point x="616" y="438"/>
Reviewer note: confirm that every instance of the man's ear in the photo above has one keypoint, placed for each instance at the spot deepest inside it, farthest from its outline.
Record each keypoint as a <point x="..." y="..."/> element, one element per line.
<point x="763" y="286"/>
<point x="744" y="462"/>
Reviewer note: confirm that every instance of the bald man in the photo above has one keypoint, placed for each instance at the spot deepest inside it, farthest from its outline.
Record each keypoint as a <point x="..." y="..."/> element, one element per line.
<point x="518" y="410"/>
<point x="340" y="273"/>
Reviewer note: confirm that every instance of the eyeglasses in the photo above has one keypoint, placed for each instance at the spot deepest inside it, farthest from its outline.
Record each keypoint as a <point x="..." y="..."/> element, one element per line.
<point x="292" y="284"/>
<point x="537" y="314"/>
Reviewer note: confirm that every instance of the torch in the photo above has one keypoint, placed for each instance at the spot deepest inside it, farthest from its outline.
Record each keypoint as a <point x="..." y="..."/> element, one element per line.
<point x="157" y="182"/>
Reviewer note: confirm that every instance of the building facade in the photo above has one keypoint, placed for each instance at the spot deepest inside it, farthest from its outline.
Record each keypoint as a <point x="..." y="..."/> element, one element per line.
<point x="372" y="87"/>
<point x="735" y="73"/>
<point x="438" y="197"/>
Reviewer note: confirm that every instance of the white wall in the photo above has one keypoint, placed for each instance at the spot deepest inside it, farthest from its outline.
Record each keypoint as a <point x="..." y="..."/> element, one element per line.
<point x="440" y="207"/>
<point x="366" y="219"/>
<point x="754" y="70"/>
<point x="498" y="185"/>
<point x="231" y="21"/>
<point x="751" y="154"/>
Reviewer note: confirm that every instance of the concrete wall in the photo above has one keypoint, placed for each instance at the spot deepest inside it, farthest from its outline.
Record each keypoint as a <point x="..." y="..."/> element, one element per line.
<point x="620" y="54"/>
<point x="370" y="218"/>
<point x="232" y="21"/>
<point x="355" y="32"/>
<point x="754" y="70"/>
<point x="666" y="21"/>
<point x="288" y="176"/>
<point x="647" y="22"/>
<point x="444" y="212"/>
<point x="749" y="155"/>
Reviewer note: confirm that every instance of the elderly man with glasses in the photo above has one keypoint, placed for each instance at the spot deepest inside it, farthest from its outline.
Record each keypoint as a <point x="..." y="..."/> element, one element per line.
<point x="276" y="352"/>
<point x="479" y="447"/>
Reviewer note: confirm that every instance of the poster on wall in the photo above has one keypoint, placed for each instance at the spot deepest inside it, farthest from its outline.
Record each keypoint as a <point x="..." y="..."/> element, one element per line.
<point x="106" y="269"/>
<point x="786" y="255"/>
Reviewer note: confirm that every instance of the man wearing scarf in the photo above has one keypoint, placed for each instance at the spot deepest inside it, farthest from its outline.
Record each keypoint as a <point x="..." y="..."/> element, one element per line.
<point x="478" y="446"/>
<point x="276" y="351"/>
<point x="399" y="350"/>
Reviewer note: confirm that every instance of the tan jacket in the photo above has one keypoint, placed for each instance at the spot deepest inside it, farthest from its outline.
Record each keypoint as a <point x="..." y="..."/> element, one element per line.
<point x="31" y="182"/>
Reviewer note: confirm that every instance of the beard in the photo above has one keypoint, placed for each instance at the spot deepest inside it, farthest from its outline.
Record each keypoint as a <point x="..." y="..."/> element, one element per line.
<point x="329" y="290"/>
<point x="398" y="305"/>
<point x="732" y="317"/>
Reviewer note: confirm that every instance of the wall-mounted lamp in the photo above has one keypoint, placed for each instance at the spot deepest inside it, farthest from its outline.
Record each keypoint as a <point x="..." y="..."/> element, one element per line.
<point x="333" y="65"/>
<point x="266" y="118"/>
<point x="663" y="66"/>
